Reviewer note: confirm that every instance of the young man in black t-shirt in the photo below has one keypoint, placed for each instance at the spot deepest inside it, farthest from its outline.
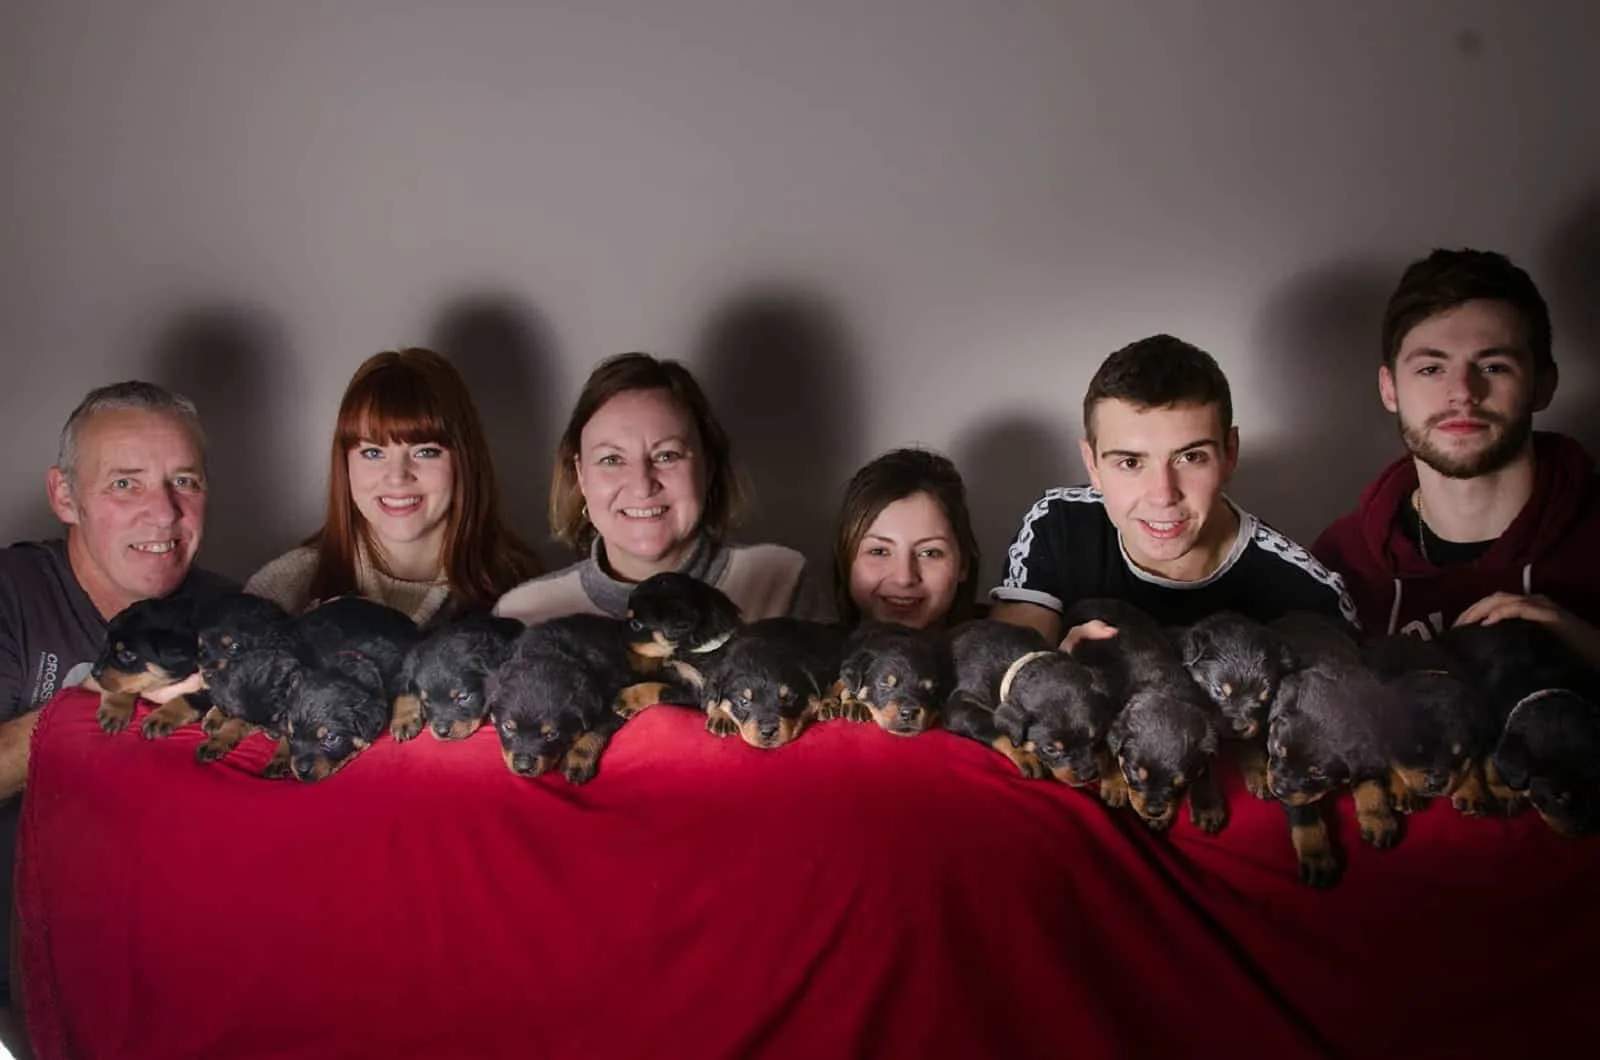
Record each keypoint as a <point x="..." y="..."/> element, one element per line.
<point x="1154" y="527"/>
<point x="130" y="487"/>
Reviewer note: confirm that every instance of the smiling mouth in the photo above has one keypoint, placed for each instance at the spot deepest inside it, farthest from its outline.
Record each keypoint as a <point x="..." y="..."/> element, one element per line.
<point x="400" y="505"/>
<point x="901" y="603"/>
<point x="156" y="548"/>
<point x="644" y="513"/>
<point x="1156" y="528"/>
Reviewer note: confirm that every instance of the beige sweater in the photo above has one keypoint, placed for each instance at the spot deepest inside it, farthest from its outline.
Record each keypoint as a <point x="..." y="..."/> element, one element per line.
<point x="287" y="582"/>
<point x="764" y="581"/>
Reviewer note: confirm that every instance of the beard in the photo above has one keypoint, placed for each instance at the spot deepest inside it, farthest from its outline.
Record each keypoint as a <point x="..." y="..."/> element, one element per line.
<point x="1508" y="437"/>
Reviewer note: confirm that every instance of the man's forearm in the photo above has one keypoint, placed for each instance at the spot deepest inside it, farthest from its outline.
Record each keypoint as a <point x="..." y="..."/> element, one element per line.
<point x="15" y="736"/>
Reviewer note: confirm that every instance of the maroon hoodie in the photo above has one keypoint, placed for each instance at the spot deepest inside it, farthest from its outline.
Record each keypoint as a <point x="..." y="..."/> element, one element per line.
<point x="1552" y="547"/>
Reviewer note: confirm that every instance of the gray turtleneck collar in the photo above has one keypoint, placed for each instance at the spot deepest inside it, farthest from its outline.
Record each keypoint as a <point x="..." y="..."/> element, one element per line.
<point x="705" y="562"/>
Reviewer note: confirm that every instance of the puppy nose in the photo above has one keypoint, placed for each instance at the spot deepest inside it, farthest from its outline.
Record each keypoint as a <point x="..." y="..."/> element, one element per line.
<point x="304" y="764"/>
<point x="769" y="729"/>
<point x="441" y="728"/>
<point x="909" y="713"/>
<point x="522" y="762"/>
<point x="1152" y="808"/>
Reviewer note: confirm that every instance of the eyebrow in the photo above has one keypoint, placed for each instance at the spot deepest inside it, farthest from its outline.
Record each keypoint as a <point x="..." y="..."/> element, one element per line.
<point x="918" y="541"/>
<point x="669" y="440"/>
<point x="1203" y="443"/>
<point x="1432" y="354"/>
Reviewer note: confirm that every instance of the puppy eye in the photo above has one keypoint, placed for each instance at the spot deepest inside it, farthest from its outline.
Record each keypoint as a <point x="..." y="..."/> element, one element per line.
<point x="330" y="741"/>
<point x="745" y="696"/>
<point x="126" y="657"/>
<point x="635" y="625"/>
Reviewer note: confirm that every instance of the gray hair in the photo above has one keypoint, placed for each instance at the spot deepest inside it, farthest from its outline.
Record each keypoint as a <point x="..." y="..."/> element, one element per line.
<point x="119" y="397"/>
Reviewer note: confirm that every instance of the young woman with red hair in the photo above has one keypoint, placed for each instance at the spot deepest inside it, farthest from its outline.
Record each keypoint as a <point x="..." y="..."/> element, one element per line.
<point x="413" y="516"/>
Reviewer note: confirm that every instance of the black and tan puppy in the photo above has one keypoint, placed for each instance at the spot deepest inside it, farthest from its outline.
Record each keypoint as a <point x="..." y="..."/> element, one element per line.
<point x="1507" y="662"/>
<point x="894" y="675"/>
<point x="1550" y="754"/>
<point x="149" y="645"/>
<point x="1334" y="724"/>
<point x="772" y="677"/>
<point x="1165" y="736"/>
<point x="1447" y="725"/>
<point x="1039" y="707"/>
<point x="440" y="685"/>
<point x="554" y="698"/>
<point x="672" y="616"/>
<point x="1239" y="664"/>
<point x="335" y="711"/>
<point x="249" y="656"/>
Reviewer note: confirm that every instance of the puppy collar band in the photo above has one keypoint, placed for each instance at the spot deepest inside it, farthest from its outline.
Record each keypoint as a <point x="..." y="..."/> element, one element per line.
<point x="1531" y="697"/>
<point x="1014" y="668"/>
<point x="713" y="644"/>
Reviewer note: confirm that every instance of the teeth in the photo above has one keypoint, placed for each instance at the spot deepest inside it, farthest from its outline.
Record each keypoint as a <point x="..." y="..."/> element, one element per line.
<point x="157" y="547"/>
<point x="643" y="513"/>
<point x="1161" y="527"/>
<point x="399" y="502"/>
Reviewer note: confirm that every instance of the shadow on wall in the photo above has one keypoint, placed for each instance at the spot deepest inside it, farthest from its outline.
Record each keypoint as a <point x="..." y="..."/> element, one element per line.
<point x="776" y="365"/>
<point x="1571" y="287"/>
<point x="1317" y="361"/>
<point x="231" y="361"/>
<point x="506" y="355"/>
<point x="1007" y="462"/>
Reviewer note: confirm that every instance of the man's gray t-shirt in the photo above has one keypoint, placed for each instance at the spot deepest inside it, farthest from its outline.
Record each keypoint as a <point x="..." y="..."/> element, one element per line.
<point x="50" y="634"/>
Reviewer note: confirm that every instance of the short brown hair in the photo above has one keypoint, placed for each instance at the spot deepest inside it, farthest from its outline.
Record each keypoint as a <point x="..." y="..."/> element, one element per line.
<point x="408" y="397"/>
<point x="1159" y="372"/>
<point x="895" y="475"/>
<point x="1449" y="278"/>
<point x="640" y="371"/>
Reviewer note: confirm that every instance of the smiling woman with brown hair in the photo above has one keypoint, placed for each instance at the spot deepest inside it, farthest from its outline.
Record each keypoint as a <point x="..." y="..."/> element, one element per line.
<point x="413" y="515"/>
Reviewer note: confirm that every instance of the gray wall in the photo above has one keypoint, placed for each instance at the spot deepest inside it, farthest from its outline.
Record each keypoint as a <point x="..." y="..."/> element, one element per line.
<point x="863" y="222"/>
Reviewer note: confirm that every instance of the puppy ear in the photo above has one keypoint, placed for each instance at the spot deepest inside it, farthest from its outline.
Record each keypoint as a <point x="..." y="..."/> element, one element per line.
<point x="1010" y="720"/>
<point x="723" y="613"/>
<point x="1285" y="657"/>
<point x="1193" y="643"/>
<point x="1117" y="735"/>
<point x="1512" y="762"/>
<point x="851" y="671"/>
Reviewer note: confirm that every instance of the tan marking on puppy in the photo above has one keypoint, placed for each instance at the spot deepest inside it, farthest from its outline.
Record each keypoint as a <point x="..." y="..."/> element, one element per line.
<point x="459" y="729"/>
<point x="116" y="710"/>
<point x="648" y="654"/>
<point x="222" y="739"/>
<point x="1253" y="765"/>
<point x="1378" y="825"/>
<point x="1026" y="761"/>
<point x="1208" y="810"/>
<point x="1407" y="789"/>
<point x="212" y="720"/>
<point x="1314" y="849"/>
<point x="1113" y="785"/>
<point x="171" y="715"/>
<point x="1140" y="802"/>
<point x="582" y="760"/>
<point x="719" y="718"/>
<point x="405" y="717"/>
<point x="1471" y="797"/>
<point x="637" y="697"/>
<point x="888" y="719"/>
<point x="278" y="766"/>
<point x="195" y="682"/>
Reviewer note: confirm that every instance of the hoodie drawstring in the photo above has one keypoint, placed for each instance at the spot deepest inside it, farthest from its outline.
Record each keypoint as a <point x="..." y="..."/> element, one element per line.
<point x="1394" y="612"/>
<point x="1527" y="580"/>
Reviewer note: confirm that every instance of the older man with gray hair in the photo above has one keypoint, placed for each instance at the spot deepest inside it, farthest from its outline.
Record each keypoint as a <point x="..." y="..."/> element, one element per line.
<point x="129" y="484"/>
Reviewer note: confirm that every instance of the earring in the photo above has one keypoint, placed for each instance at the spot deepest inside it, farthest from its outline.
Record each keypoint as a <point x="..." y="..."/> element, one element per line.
<point x="583" y="513"/>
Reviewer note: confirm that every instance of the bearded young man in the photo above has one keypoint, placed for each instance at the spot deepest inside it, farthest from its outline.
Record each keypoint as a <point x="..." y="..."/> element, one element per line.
<point x="1485" y="519"/>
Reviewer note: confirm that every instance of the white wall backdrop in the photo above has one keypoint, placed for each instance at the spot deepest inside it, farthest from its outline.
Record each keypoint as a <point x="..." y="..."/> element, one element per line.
<point x="863" y="222"/>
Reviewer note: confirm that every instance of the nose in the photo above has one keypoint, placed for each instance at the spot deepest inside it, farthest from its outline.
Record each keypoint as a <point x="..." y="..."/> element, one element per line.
<point x="441" y="728"/>
<point x="1467" y="385"/>
<point x="910" y="713"/>
<point x="400" y="469"/>
<point x="304" y="764"/>
<point x="907" y="571"/>
<point x="522" y="762"/>
<point x="769" y="729"/>
<point x="1161" y="487"/>
<point x="644" y="479"/>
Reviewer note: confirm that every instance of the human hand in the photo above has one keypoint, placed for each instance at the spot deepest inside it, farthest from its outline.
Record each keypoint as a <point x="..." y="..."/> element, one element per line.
<point x="1094" y="629"/>
<point x="195" y="682"/>
<point x="1577" y="634"/>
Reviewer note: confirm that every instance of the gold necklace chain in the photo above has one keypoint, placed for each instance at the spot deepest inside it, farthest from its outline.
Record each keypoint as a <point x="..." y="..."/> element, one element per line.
<point x="1422" y="526"/>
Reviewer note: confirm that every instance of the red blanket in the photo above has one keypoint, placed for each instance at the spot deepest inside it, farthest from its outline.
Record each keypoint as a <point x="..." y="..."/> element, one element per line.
<point x="852" y="894"/>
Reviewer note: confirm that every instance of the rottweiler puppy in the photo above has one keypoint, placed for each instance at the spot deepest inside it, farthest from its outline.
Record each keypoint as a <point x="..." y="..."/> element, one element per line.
<point x="1239" y="664"/>
<point x="335" y="711"/>
<point x="1550" y="754"/>
<point x="1508" y="662"/>
<point x="249" y="656"/>
<point x="891" y="674"/>
<point x="1037" y="706"/>
<point x="353" y="626"/>
<point x="771" y="678"/>
<point x="1447" y="725"/>
<point x="441" y="678"/>
<point x="1333" y="723"/>
<point x="1164" y="737"/>
<point x="149" y="645"/>
<point x="678" y="622"/>
<point x="555" y="697"/>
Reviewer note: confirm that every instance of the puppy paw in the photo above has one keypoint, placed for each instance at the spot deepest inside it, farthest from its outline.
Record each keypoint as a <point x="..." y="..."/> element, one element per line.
<point x="719" y="724"/>
<point x="580" y="771"/>
<point x="278" y="766"/>
<point x="1470" y="803"/>
<point x="212" y="721"/>
<point x="1380" y="830"/>
<point x="854" y="710"/>
<point x="1319" y="869"/>
<point x="1255" y="782"/>
<point x="157" y="726"/>
<point x="1209" y="819"/>
<point x="404" y="729"/>
<point x="210" y="751"/>
<point x="1113" y="790"/>
<point x="116" y="711"/>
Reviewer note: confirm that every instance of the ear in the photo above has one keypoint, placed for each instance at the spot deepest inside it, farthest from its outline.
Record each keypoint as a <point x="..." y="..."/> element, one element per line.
<point x="1117" y="735"/>
<point x="1086" y="451"/>
<point x="1511" y="762"/>
<point x="725" y="613"/>
<point x="1011" y="722"/>
<point x="1192" y="644"/>
<point x="59" y="490"/>
<point x="1230" y="453"/>
<point x="1544" y="386"/>
<point x="1386" y="388"/>
<point x="1286" y="659"/>
<point x="850" y="672"/>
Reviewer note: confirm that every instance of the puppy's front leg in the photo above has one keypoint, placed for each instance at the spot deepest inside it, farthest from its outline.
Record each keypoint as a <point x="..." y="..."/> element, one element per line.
<point x="1319" y="867"/>
<point x="1208" y="810"/>
<point x="1510" y="801"/>
<point x="1378" y="824"/>
<point x="1113" y="786"/>
<point x="278" y="765"/>
<point x="405" y="718"/>
<point x="173" y="714"/>
<point x="582" y="760"/>
<point x="719" y="719"/>
<point x="637" y="697"/>
<point x="1253" y="765"/>
<point x="1470" y="797"/>
<point x="116" y="710"/>
<point x="224" y="737"/>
